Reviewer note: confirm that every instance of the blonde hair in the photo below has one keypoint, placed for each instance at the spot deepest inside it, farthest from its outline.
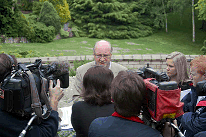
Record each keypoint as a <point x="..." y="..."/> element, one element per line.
<point x="180" y="63"/>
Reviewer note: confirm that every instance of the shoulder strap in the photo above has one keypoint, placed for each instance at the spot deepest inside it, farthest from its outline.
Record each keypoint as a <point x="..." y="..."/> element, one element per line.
<point x="45" y="98"/>
<point x="36" y="104"/>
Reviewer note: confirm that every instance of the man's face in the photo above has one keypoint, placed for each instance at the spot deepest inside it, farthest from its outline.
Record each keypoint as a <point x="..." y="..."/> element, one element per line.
<point x="102" y="55"/>
<point x="171" y="70"/>
<point x="195" y="76"/>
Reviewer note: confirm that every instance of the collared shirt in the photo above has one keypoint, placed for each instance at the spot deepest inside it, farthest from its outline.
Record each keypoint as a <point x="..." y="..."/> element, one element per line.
<point x="110" y="65"/>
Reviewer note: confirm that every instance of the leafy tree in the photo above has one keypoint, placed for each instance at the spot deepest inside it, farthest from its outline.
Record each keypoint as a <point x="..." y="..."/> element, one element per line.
<point x="178" y="6"/>
<point x="116" y="19"/>
<point x="201" y="7"/>
<point x="6" y="18"/>
<point x="62" y="9"/>
<point x="12" y="22"/>
<point x="49" y="16"/>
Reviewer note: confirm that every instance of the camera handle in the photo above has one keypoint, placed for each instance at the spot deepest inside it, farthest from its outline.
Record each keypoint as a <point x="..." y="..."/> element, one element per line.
<point x="23" y="133"/>
<point x="179" y="133"/>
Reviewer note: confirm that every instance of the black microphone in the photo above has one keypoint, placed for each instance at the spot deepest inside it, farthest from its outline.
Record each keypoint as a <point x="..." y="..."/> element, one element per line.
<point x="60" y="71"/>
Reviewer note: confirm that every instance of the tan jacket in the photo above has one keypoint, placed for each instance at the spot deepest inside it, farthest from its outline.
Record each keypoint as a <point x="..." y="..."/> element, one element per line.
<point x="115" y="68"/>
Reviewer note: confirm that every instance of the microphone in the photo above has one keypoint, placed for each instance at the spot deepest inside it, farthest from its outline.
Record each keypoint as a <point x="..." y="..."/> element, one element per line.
<point x="57" y="70"/>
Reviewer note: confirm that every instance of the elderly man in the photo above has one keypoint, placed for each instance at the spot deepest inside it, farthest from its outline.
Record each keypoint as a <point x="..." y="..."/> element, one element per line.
<point x="102" y="56"/>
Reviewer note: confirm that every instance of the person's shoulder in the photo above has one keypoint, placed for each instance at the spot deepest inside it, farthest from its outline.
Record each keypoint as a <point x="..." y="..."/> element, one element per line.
<point x="150" y="131"/>
<point x="86" y="66"/>
<point x="117" y="65"/>
<point x="100" y="120"/>
<point x="79" y="104"/>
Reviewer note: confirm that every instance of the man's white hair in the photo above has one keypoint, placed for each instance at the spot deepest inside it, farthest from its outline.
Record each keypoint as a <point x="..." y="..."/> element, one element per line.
<point x="99" y="43"/>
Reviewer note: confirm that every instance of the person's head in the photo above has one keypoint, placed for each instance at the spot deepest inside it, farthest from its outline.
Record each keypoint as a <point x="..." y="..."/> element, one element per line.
<point x="102" y="53"/>
<point x="198" y="69"/>
<point x="177" y="67"/>
<point x="96" y="84"/>
<point x="128" y="93"/>
<point x="6" y="65"/>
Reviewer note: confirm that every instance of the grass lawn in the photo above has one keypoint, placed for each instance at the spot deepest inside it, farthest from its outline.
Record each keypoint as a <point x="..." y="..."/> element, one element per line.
<point x="178" y="38"/>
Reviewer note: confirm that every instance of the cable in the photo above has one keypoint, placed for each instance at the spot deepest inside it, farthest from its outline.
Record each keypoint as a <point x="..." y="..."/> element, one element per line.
<point x="23" y="133"/>
<point x="179" y="133"/>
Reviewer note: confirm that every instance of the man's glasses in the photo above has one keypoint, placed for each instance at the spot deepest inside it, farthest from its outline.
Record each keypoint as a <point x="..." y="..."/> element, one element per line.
<point x="104" y="56"/>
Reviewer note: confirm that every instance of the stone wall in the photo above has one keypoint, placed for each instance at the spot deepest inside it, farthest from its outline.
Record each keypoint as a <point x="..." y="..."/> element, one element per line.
<point x="156" y="61"/>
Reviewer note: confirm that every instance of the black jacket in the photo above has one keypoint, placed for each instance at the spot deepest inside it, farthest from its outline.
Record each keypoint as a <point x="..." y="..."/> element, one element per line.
<point x="118" y="127"/>
<point x="83" y="114"/>
<point x="193" y="122"/>
<point x="11" y="126"/>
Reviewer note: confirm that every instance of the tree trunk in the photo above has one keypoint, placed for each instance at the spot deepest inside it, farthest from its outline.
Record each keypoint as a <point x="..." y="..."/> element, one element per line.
<point x="193" y="21"/>
<point x="165" y="15"/>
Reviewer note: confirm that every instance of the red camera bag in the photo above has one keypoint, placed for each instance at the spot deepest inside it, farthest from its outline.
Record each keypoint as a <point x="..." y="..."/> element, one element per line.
<point x="163" y="103"/>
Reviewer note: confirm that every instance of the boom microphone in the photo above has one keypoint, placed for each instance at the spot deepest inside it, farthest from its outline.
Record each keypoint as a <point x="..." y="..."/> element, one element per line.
<point x="57" y="70"/>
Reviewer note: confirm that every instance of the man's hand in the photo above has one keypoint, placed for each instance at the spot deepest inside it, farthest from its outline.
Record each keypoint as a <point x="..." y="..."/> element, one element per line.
<point x="55" y="94"/>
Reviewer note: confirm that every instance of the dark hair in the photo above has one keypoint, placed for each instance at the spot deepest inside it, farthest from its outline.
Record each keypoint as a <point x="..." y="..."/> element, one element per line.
<point x="128" y="93"/>
<point x="6" y="65"/>
<point x="96" y="85"/>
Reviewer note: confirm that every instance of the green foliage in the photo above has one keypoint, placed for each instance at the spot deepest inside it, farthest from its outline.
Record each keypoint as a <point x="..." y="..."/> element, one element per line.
<point x="203" y="49"/>
<point x="26" y="5"/>
<point x="116" y="19"/>
<point x="72" y="72"/>
<point x="13" y="23"/>
<point x="201" y="7"/>
<point x="7" y="22"/>
<point x="23" y="54"/>
<point x="36" y="8"/>
<point x="62" y="9"/>
<point x="42" y="33"/>
<point x="49" y="16"/>
<point x="66" y="133"/>
<point x="79" y="63"/>
<point x="64" y="34"/>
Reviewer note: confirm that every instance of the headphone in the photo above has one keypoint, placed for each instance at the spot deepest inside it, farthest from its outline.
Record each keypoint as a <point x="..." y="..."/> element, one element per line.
<point x="12" y="61"/>
<point x="12" y="68"/>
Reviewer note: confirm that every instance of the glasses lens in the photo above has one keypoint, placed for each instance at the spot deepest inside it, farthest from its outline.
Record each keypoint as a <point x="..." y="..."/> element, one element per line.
<point x="104" y="56"/>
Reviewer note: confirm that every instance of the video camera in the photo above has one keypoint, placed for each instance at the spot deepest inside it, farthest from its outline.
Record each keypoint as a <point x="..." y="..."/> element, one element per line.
<point x="148" y="72"/>
<point x="163" y="96"/>
<point x="201" y="88"/>
<point x="25" y="90"/>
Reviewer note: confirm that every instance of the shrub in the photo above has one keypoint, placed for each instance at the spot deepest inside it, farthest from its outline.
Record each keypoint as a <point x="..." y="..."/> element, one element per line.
<point x="42" y="33"/>
<point x="26" y="5"/>
<point x="49" y="16"/>
<point x="64" y="34"/>
<point x="13" y="23"/>
<point x="116" y="19"/>
<point x="62" y="9"/>
<point x="36" y="8"/>
<point x="7" y="21"/>
<point x="72" y="71"/>
<point x="203" y="49"/>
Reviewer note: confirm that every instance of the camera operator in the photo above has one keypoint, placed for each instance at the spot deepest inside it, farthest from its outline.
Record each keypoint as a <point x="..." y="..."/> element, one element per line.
<point x="177" y="69"/>
<point x="129" y="96"/>
<point x="194" y="119"/>
<point x="11" y="125"/>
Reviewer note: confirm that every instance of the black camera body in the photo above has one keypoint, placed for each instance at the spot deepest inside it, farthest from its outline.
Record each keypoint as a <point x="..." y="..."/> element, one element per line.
<point x="148" y="72"/>
<point x="201" y="88"/>
<point x="15" y="93"/>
